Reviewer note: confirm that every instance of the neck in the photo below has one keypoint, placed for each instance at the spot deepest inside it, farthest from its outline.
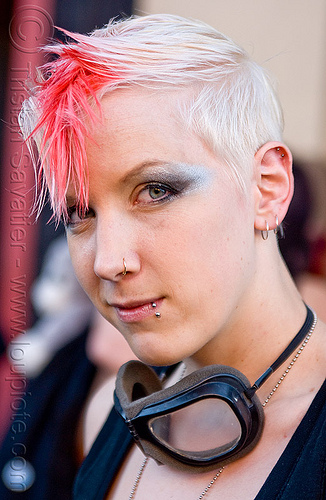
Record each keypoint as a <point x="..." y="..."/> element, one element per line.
<point x="261" y="329"/>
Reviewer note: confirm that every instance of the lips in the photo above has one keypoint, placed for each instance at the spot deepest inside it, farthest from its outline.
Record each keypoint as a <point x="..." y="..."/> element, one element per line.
<point x="132" y="312"/>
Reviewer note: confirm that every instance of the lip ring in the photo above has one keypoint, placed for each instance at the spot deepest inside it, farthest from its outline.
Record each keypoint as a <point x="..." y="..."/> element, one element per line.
<point x="130" y="312"/>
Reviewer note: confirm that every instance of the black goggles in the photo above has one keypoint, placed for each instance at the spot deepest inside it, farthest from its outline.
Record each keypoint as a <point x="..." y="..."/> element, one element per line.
<point x="234" y="416"/>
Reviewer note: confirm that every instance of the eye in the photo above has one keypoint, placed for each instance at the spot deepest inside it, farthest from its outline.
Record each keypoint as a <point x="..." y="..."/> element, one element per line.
<point x="157" y="192"/>
<point x="76" y="216"/>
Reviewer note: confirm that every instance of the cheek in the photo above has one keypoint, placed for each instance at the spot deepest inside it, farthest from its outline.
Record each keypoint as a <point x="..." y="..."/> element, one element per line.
<point x="198" y="237"/>
<point x="211" y="249"/>
<point x="82" y="258"/>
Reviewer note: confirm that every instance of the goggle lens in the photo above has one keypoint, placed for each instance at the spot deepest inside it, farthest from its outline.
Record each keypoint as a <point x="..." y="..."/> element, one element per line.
<point x="218" y="434"/>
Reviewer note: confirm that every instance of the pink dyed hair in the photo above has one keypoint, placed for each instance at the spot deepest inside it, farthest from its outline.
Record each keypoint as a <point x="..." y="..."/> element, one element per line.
<point x="67" y="97"/>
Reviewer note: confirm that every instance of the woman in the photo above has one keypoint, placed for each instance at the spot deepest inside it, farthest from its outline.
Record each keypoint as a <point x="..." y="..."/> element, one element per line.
<point x="161" y="147"/>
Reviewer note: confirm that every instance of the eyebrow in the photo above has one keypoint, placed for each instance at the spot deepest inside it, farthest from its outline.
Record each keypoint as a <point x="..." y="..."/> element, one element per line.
<point x="159" y="167"/>
<point x="144" y="166"/>
<point x="160" y="170"/>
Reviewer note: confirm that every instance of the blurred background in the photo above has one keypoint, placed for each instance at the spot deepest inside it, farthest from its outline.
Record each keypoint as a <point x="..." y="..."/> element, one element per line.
<point x="287" y="38"/>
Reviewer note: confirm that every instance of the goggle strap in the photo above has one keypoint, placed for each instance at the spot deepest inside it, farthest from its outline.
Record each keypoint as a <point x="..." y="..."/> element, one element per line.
<point x="293" y="345"/>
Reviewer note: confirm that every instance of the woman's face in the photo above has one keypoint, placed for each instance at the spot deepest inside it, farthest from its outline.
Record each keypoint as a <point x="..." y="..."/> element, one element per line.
<point x="159" y="199"/>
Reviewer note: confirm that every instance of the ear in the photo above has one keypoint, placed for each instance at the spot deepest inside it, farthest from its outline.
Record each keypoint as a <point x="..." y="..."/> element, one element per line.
<point x="273" y="168"/>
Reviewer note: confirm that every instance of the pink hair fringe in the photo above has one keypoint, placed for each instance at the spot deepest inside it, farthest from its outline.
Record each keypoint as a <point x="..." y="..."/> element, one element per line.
<point x="67" y="98"/>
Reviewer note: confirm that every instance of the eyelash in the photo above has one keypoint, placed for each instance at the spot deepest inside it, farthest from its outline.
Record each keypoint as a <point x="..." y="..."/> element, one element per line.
<point x="71" y="210"/>
<point x="170" y="193"/>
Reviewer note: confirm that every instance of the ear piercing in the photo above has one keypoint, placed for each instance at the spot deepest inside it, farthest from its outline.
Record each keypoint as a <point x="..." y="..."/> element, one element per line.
<point x="282" y="154"/>
<point x="124" y="272"/>
<point x="157" y="314"/>
<point x="264" y="233"/>
<point x="279" y="228"/>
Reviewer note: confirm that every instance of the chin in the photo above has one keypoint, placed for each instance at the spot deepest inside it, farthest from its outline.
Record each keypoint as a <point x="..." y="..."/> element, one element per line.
<point x="158" y="359"/>
<point x="157" y="350"/>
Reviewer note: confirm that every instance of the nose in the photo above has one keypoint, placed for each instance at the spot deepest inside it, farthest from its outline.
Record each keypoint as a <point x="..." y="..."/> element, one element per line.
<point x="115" y="250"/>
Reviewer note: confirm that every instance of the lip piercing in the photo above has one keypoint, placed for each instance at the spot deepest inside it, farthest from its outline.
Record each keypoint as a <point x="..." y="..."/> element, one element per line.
<point x="157" y="314"/>
<point x="124" y="272"/>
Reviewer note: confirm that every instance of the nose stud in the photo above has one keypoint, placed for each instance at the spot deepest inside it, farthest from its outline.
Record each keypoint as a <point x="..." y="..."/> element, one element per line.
<point x="124" y="272"/>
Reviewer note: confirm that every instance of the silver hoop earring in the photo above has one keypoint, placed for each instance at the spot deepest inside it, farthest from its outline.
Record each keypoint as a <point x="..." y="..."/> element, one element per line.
<point x="124" y="272"/>
<point x="264" y="233"/>
<point x="279" y="228"/>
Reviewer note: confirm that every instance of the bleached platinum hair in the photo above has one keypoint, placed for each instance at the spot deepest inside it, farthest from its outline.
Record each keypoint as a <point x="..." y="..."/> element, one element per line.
<point x="232" y="104"/>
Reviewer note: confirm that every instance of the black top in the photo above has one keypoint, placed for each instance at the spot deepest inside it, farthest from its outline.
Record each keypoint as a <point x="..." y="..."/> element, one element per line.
<point x="44" y="431"/>
<point x="300" y="473"/>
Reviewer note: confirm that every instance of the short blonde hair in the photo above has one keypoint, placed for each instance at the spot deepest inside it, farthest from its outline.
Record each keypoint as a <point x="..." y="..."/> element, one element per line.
<point x="233" y="107"/>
